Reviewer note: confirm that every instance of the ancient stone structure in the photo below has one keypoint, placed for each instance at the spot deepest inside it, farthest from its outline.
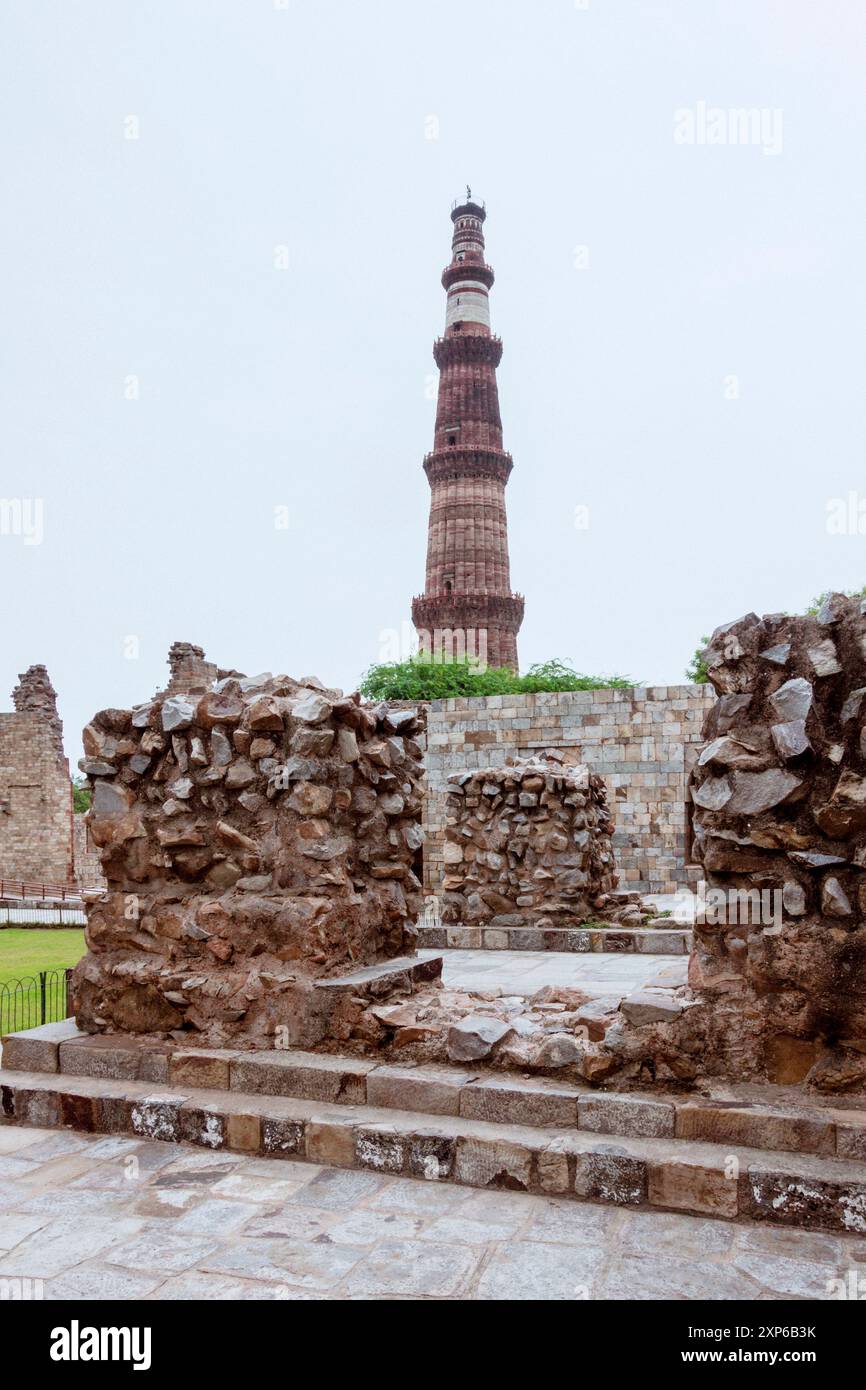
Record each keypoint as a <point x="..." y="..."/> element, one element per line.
<point x="780" y="826"/>
<point x="467" y="606"/>
<point x="256" y="838"/>
<point x="527" y="845"/>
<point x="642" y="741"/>
<point x="777" y="977"/>
<point x="36" y="843"/>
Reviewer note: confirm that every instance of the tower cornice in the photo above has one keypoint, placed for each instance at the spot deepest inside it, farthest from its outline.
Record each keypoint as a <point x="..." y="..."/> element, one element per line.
<point x="467" y="347"/>
<point x="467" y="270"/>
<point x="461" y="462"/>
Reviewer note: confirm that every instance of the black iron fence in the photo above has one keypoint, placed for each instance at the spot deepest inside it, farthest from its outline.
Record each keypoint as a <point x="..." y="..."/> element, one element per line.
<point x="34" y="999"/>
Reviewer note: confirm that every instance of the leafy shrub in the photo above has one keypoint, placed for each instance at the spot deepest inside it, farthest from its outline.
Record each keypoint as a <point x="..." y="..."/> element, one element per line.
<point x="423" y="679"/>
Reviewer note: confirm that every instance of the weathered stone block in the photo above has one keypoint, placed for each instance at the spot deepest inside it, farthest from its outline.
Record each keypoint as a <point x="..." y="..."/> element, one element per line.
<point x="433" y="1090"/>
<point x="635" y="1116"/>
<point x="514" y="1101"/>
<point x="701" y="1188"/>
<point x="721" y="1123"/>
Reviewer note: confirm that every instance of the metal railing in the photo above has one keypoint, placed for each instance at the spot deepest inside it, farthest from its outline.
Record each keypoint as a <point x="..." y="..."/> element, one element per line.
<point x="19" y="888"/>
<point x="34" y="1000"/>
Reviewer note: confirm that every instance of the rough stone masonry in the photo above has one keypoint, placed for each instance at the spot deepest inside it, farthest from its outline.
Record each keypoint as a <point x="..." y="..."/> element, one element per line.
<point x="528" y="845"/>
<point x="256" y="835"/>
<point x="778" y="972"/>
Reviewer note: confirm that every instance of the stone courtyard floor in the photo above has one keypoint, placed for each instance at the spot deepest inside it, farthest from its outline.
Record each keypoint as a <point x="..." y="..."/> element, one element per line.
<point x="112" y="1217"/>
<point x="523" y="972"/>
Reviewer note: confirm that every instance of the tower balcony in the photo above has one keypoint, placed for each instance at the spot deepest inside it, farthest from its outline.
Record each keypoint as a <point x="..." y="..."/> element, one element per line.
<point x="463" y="461"/>
<point x="459" y="608"/>
<point x="475" y="348"/>
<point x="467" y="270"/>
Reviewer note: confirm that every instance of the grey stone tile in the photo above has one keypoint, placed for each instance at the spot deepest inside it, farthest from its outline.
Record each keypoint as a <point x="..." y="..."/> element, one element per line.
<point x="663" y="1233"/>
<point x="96" y="1281"/>
<point x="640" y="1277"/>
<point x="213" y="1217"/>
<point x="365" y="1226"/>
<point x="160" y="1250"/>
<point x="525" y="1270"/>
<point x="337" y="1188"/>
<point x="409" y="1268"/>
<point x="788" y="1278"/>
<point x="206" y="1287"/>
<point x="306" y="1266"/>
<point x="60" y="1245"/>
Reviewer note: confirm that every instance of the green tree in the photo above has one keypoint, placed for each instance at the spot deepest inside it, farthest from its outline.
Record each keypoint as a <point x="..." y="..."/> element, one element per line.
<point x="696" y="671"/>
<point x="420" y="678"/>
<point x="81" y="794"/>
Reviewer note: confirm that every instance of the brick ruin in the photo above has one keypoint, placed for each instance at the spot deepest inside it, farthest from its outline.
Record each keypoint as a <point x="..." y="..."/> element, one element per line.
<point x="36" y="819"/>
<point x="528" y="846"/>
<point x="256" y="837"/>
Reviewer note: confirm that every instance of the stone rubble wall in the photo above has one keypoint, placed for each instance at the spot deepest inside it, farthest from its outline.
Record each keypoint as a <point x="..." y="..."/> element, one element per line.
<point x="254" y="838"/>
<point x="527" y="845"/>
<point x="642" y="741"/>
<point x="35" y="789"/>
<point x="777" y="977"/>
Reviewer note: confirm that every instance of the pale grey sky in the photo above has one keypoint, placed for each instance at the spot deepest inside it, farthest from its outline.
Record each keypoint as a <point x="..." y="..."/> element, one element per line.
<point x="308" y="126"/>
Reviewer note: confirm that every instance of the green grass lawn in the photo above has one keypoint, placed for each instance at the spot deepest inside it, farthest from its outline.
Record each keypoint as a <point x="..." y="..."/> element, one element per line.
<point x="26" y="951"/>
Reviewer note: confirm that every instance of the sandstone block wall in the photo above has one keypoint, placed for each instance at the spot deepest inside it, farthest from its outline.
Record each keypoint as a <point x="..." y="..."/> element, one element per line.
<point x="255" y="838"/>
<point x="643" y="742"/>
<point x="35" y="789"/>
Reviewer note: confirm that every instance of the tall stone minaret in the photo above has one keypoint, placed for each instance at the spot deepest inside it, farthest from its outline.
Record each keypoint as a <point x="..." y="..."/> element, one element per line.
<point x="467" y="604"/>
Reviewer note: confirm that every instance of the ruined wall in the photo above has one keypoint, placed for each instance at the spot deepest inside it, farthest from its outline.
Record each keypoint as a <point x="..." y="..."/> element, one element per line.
<point x="255" y="838"/>
<point x="777" y="977"/>
<point x="35" y="790"/>
<point x="527" y="845"/>
<point x="780" y="806"/>
<point x="643" y="742"/>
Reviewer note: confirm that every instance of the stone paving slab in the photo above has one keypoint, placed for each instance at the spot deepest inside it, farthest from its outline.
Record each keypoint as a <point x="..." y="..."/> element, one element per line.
<point x="610" y="974"/>
<point x="229" y="1234"/>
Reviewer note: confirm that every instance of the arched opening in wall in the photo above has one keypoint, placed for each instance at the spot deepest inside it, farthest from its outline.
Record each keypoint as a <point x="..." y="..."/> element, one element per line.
<point x="449" y="586"/>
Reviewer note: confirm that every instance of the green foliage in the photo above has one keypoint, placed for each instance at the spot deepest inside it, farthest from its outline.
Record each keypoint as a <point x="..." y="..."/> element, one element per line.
<point x="815" y="605"/>
<point x="696" y="670"/>
<point x="81" y="795"/>
<point x="420" y="679"/>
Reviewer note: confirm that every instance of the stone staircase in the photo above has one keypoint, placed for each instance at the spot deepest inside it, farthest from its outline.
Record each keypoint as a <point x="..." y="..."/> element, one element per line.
<point x="746" y="1152"/>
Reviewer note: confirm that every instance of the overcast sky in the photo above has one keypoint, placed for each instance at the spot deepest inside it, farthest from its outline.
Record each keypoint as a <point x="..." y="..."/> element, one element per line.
<point x="233" y="314"/>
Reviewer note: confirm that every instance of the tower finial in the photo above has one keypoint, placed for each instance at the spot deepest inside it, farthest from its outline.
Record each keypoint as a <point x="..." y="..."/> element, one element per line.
<point x="468" y="194"/>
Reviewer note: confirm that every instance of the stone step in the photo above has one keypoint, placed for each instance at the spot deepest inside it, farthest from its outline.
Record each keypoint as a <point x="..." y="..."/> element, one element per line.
<point x="662" y="940"/>
<point x="768" y="1118"/>
<point x="706" y="1179"/>
<point x="389" y="976"/>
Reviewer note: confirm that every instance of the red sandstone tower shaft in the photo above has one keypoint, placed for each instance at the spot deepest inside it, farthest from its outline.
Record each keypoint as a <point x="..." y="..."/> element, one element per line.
<point x="467" y="603"/>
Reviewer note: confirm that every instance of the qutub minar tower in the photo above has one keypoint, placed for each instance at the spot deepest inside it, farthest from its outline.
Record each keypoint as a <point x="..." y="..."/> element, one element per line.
<point x="467" y="604"/>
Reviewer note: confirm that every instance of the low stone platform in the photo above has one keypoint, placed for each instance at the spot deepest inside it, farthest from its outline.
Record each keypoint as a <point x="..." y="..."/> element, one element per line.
<point x="651" y="941"/>
<point x="754" y="1154"/>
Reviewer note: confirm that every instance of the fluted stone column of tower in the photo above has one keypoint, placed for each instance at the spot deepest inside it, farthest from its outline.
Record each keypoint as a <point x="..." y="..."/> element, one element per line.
<point x="467" y="604"/>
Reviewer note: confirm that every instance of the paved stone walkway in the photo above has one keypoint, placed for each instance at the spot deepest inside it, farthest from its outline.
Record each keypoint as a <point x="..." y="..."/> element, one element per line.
<point x="522" y="972"/>
<point x="115" y="1218"/>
